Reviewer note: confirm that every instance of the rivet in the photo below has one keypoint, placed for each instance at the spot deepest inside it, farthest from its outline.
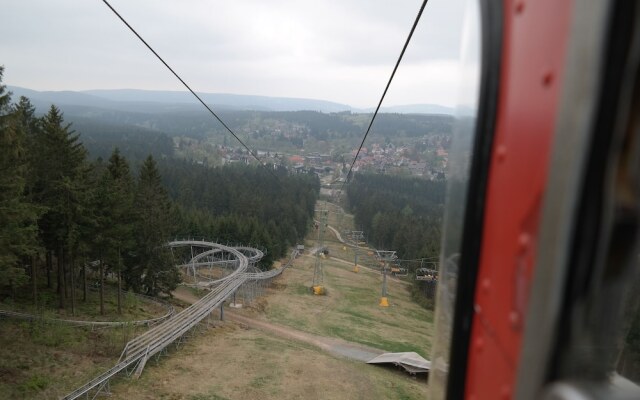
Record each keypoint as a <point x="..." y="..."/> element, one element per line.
<point x="524" y="240"/>
<point x="547" y="78"/>
<point x="505" y="392"/>
<point x="479" y="344"/>
<point x="514" y="318"/>
<point x="486" y="285"/>
<point x="519" y="7"/>
<point x="501" y="152"/>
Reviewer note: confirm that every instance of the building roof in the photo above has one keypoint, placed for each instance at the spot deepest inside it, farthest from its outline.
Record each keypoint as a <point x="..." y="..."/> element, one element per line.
<point x="296" y="159"/>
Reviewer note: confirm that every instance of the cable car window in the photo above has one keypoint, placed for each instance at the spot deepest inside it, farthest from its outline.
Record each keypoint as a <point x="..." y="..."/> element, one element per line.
<point x="458" y="183"/>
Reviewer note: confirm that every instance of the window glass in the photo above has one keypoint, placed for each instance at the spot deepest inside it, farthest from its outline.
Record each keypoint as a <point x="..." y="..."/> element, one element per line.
<point x="458" y="181"/>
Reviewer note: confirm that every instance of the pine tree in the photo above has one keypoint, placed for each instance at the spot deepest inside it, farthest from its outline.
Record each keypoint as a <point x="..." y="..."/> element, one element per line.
<point x="24" y="113"/>
<point x="27" y="124"/>
<point x="154" y="271"/>
<point x="17" y="215"/>
<point x="61" y="171"/>
<point x="121" y="192"/>
<point x="101" y="202"/>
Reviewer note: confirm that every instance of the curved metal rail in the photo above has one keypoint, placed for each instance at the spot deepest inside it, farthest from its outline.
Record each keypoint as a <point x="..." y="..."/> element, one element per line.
<point x="215" y="247"/>
<point x="137" y="351"/>
<point x="256" y="256"/>
<point x="140" y="349"/>
<point x="272" y="273"/>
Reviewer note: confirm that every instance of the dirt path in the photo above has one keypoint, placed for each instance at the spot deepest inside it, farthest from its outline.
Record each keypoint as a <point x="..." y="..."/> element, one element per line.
<point x="337" y="234"/>
<point x="182" y="293"/>
<point x="336" y="347"/>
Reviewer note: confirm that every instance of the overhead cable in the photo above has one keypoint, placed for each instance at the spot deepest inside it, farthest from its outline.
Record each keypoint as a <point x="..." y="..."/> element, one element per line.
<point x="406" y="43"/>
<point x="190" y="90"/>
<point x="422" y="259"/>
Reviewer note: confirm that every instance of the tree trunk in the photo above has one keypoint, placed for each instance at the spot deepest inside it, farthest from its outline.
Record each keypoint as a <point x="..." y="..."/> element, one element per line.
<point x="49" y="268"/>
<point x="101" y="288"/>
<point x="119" y="293"/>
<point x="84" y="281"/>
<point x="65" y="277"/>
<point x="73" y="285"/>
<point x="34" y="282"/>
<point x="58" y="272"/>
<point x="60" y="278"/>
<point x="119" y="283"/>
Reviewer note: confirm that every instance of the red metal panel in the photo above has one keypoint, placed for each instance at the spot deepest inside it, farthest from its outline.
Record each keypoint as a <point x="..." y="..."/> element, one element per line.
<point x="535" y="36"/>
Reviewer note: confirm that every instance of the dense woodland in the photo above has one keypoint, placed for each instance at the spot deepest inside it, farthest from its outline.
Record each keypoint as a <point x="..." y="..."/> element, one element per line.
<point x="399" y="213"/>
<point x="62" y="213"/>
<point x="242" y="204"/>
<point x="134" y="142"/>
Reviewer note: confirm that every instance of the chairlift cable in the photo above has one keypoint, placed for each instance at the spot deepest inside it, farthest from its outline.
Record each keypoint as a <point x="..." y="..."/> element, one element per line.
<point x="253" y="153"/>
<point x="404" y="48"/>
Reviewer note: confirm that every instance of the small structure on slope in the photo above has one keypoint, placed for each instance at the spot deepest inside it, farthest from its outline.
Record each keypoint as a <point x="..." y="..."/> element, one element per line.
<point x="412" y="362"/>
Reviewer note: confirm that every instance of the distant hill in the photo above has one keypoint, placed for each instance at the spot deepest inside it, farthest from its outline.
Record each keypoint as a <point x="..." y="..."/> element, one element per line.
<point x="42" y="99"/>
<point x="141" y="121"/>
<point x="414" y="109"/>
<point x="224" y="100"/>
<point x="154" y="101"/>
<point x="159" y="101"/>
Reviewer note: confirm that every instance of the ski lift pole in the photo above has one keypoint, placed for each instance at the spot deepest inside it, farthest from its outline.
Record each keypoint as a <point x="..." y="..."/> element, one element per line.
<point x="385" y="256"/>
<point x="356" y="236"/>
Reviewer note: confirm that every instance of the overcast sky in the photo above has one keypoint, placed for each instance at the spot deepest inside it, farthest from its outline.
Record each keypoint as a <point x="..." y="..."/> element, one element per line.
<point x="337" y="50"/>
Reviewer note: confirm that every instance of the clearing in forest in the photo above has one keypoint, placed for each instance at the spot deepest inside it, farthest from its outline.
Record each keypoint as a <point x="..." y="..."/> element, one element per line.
<point x="289" y="357"/>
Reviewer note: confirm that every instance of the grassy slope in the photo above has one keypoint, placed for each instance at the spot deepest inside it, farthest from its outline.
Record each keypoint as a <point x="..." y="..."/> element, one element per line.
<point x="233" y="363"/>
<point x="350" y="310"/>
<point x="47" y="360"/>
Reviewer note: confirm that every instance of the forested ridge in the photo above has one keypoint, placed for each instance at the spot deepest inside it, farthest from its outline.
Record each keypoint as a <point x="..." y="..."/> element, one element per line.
<point x="63" y="212"/>
<point x="399" y="213"/>
<point x="134" y="142"/>
<point x="98" y="124"/>
<point x="321" y="126"/>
